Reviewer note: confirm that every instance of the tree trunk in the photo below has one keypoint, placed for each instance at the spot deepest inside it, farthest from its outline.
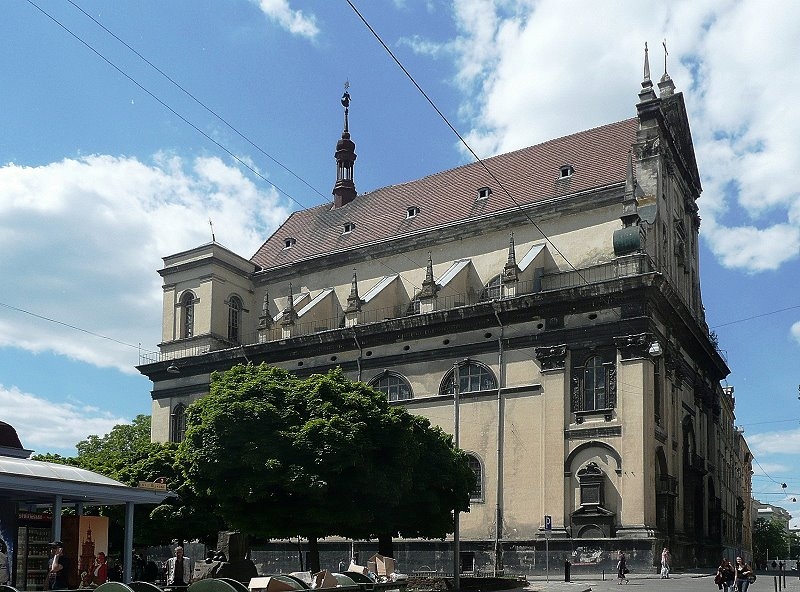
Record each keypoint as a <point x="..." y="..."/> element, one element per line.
<point x="313" y="555"/>
<point x="385" y="546"/>
<point x="300" y="553"/>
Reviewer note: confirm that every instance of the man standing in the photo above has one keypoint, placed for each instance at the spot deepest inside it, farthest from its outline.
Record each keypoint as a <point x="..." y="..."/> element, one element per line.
<point x="179" y="569"/>
<point x="59" y="567"/>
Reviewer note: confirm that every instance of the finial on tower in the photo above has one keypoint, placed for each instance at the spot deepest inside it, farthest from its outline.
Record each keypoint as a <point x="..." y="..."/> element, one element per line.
<point x="346" y="104"/>
<point x="647" y="93"/>
<point x="666" y="87"/>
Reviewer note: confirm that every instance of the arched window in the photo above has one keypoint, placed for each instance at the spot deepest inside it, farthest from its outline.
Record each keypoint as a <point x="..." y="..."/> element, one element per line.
<point x="476" y="495"/>
<point x="234" y="318"/>
<point x="594" y="384"/>
<point x="472" y="378"/>
<point x="178" y="430"/>
<point x="187" y="314"/>
<point x="394" y="386"/>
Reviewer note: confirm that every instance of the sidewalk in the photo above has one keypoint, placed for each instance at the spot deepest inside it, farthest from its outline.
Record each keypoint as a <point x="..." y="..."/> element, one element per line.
<point x="677" y="582"/>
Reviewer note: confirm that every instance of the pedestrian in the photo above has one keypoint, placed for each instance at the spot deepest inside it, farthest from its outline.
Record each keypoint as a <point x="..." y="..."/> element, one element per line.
<point x="5" y="572"/>
<point x="665" y="559"/>
<point x="726" y="576"/>
<point x="743" y="574"/>
<point x="58" y="568"/>
<point x="622" y="569"/>
<point x="179" y="569"/>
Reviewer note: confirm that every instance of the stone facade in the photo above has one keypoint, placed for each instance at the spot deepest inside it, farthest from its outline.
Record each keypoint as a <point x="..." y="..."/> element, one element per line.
<point x="557" y="304"/>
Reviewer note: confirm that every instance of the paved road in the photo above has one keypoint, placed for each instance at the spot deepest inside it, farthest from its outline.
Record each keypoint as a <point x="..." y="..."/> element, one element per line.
<point x="678" y="582"/>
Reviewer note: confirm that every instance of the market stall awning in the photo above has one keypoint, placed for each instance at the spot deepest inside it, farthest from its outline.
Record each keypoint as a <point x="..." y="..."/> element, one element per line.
<point x="29" y="481"/>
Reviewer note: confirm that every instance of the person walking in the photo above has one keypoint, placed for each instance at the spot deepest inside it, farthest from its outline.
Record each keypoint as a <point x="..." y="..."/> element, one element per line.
<point x="743" y="574"/>
<point x="665" y="559"/>
<point x="179" y="569"/>
<point x="726" y="576"/>
<point x="58" y="567"/>
<point x="622" y="569"/>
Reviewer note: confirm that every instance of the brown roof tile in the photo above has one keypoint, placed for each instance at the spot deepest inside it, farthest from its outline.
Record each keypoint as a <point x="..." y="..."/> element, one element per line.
<point x="529" y="175"/>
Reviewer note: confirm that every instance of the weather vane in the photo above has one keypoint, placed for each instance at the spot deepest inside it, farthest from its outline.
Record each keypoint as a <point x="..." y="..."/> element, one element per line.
<point x="666" y="53"/>
<point x="346" y="95"/>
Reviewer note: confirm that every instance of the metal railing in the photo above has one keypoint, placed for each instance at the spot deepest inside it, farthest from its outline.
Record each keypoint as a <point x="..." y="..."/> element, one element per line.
<point x="276" y="332"/>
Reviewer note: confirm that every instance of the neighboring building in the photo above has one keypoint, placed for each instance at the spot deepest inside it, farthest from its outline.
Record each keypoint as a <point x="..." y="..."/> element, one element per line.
<point x="771" y="513"/>
<point x="554" y="289"/>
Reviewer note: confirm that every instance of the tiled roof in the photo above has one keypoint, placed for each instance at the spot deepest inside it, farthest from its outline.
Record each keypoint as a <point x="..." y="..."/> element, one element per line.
<point x="530" y="175"/>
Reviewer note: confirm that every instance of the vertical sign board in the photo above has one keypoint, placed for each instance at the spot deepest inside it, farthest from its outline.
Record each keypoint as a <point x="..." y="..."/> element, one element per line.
<point x="548" y="527"/>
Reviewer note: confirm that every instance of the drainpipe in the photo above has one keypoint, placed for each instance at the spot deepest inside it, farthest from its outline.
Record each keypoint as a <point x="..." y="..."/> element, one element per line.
<point x="360" y="354"/>
<point x="498" y="530"/>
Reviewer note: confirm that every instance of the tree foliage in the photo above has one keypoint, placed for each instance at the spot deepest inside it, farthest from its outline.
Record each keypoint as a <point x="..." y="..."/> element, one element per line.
<point x="319" y="457"/>
<point x="126" y="454"/>
<point x="770" y="539"/>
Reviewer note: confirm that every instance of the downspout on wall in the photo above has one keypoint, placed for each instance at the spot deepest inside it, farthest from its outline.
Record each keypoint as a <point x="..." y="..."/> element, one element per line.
<point x="498" y="530"/>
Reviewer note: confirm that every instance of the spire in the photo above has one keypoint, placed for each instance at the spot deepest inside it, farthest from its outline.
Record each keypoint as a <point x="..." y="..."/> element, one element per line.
<point x="429" y="287"/>
<point x="666" y="87"/>
<point x="511" y="271"/>
<point x="630" y="214"/>
<point x="289" y="313"/>
<point x="628" y="239"/>
<point x="647" y="92"/>
<point x="354" y="302"/>
<point x="344" y="191"/>
<point x="265" y="320"/>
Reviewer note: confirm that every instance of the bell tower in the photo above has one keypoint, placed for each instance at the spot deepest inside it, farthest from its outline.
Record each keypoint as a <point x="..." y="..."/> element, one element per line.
<point x="344" y="191"/>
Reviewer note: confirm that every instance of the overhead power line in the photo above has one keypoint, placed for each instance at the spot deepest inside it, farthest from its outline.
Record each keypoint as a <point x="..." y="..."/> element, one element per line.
<point x="74" y="327"/>
<point x="198" y="101"/>
<point x="167" y="106"/>
<point x="758" y="316"/>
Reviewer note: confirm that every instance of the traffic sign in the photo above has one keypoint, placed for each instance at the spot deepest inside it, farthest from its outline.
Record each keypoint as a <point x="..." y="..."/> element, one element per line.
<point x="548" y="523"/>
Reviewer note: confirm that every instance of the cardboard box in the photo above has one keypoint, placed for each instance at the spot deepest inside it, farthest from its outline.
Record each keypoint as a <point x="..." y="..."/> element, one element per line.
<point x="358" y="568"/>
<point x="267" y="584"/>
<point x="384" y="566"/>
<point x="323" y="579"/>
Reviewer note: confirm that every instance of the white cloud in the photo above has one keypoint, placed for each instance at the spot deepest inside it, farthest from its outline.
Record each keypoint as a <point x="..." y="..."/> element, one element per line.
<point x="83" y="239"/>
<point x="795" y="331"/>
<point x="532" y="71"/>
<point x="783" y="442"/>
<point x="294" y="21"/>
<point x="55" y="427"/>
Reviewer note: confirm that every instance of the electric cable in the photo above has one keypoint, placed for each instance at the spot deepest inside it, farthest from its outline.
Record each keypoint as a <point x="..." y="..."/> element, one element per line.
<point x="167" y="106"/>
<point x="199" y="102"/>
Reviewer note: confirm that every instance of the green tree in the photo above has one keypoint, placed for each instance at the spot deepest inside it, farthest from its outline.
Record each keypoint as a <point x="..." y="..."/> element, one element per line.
<point x="769" y="539"/>
<point x="316" y="457"/>
<point x="126" y="454"/>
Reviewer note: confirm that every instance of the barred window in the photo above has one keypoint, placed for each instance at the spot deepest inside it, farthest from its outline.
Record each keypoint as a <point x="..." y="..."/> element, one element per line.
<point x="594" y="384"/>
<point x="234" y="318"/>
<point x="178" y="431"/>
<point x="477" y="467"/>
<point x="187" y="315"/>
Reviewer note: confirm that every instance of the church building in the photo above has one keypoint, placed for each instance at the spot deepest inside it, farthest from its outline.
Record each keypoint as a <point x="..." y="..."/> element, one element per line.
<point x="543" y="305"/>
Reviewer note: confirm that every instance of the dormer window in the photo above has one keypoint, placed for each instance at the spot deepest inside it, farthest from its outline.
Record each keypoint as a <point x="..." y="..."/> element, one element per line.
<point x="288" y="243"/>
<point x="566" y="171"/>
<point x="348" y="228"/>
<point x="484" y="192"/>
<point x="412" y="211"/>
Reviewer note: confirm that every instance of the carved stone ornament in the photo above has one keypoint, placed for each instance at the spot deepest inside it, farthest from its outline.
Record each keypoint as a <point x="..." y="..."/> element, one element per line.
<point x="633" y="346"/>
<point x="552" y="358"/>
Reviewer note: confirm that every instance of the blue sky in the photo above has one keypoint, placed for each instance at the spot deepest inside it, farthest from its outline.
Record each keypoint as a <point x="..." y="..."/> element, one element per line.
<point x="107" y="164"/>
